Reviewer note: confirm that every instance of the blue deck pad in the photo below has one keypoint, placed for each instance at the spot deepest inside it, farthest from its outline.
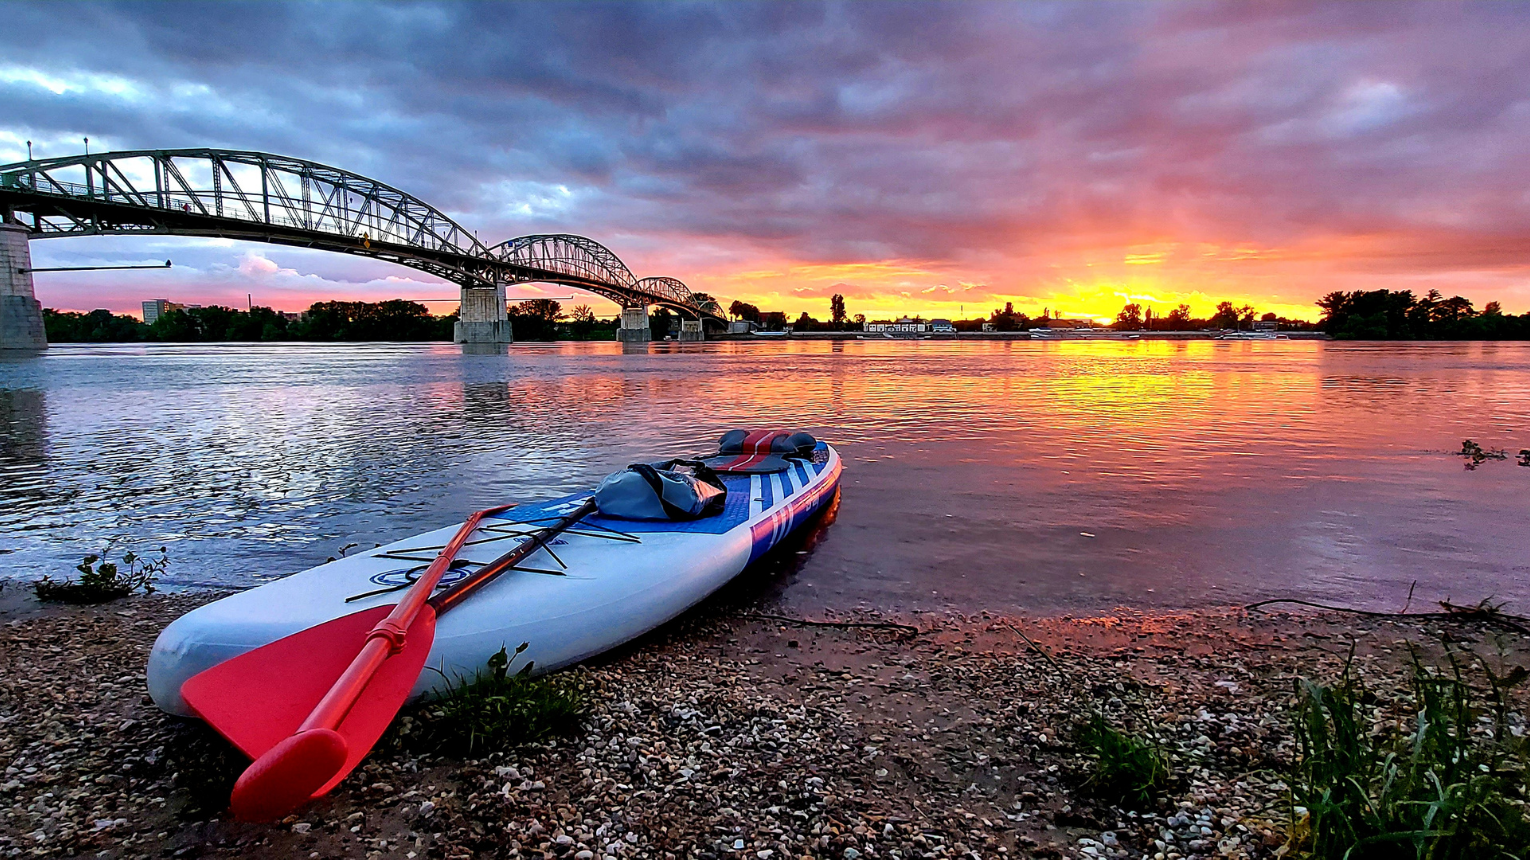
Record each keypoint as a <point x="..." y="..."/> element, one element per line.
<point x="735" y="512"/>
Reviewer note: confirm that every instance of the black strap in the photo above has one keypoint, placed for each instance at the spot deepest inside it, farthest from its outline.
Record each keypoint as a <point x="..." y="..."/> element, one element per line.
<point x="703" y="473"/>
<point x="651" y="475"/>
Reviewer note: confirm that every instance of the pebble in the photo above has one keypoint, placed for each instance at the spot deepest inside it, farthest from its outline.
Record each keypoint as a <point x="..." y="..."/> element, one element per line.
<point x="715" y="740"/>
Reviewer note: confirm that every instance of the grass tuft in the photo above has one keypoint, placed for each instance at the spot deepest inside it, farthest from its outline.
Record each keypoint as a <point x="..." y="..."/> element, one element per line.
<point x="1447" y="781"/>
<point x="102" y="580"/>
<point x="496" y="709"/>
<point x="1126" y="769"/>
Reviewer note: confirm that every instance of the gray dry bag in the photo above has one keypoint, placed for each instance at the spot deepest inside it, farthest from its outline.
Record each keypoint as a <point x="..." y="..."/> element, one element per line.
<point x="674" y="490"/>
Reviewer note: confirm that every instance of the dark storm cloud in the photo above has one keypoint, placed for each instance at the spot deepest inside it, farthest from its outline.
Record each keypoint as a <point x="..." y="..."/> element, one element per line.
<point x="846" y="132"/>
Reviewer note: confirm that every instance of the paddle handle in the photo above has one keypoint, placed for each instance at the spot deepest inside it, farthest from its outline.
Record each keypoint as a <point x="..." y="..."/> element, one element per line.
<point x="387" y="638"/>
<point x="465" y="587"/>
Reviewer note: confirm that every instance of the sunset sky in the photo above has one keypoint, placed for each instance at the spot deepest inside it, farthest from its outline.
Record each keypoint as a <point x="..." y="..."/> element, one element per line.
<point x="918" y="158"/>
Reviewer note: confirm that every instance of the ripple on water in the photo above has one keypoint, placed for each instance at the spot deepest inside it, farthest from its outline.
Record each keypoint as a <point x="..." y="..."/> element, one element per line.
<point x="1202" y="472"/>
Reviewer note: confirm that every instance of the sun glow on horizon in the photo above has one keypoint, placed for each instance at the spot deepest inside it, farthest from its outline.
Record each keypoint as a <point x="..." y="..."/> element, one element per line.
<point x="913" y="288"/>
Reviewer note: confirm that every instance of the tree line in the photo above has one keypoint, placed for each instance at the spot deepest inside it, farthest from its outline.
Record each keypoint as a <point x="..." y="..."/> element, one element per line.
<point x="397" y="320"/>
<point x="394" y="320"/>
<point x="1368" y="315"/>
<point x="778" y="321"/>
<point x="1400" y="315"/>
<point x="1133" y="317"/>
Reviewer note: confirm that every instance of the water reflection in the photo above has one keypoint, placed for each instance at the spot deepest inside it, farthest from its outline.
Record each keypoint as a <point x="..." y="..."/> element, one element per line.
<point x="23" y="429"/>
<point x="485" y="348"/>
<point x="1033" y="475"/>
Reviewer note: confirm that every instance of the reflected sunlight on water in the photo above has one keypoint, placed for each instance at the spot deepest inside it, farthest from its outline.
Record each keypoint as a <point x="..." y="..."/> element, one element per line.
<point x="980" y="474"/>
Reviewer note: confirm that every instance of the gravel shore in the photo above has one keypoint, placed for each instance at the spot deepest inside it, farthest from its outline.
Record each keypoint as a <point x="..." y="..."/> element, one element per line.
<point x="728" y="737"/>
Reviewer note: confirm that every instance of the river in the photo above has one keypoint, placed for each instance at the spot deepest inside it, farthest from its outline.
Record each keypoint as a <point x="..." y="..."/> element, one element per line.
<point x="1011" y="476"/>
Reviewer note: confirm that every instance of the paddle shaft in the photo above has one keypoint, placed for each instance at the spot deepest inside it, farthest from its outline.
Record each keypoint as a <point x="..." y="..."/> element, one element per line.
<point x="387" y="638"/>
<point x="464" y="588"/>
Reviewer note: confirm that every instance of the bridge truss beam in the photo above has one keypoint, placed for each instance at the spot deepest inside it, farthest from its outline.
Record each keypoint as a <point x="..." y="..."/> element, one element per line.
<point x="256" y="196"/>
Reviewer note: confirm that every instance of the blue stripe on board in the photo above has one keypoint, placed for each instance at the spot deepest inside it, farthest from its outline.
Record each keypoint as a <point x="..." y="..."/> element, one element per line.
<point x="768" y="532"/>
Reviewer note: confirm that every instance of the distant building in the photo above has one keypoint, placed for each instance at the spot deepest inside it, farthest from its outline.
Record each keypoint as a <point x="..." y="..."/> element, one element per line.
<point x="1266" y="325"/>
<point x="742" y="327"/>
<point x="1058" y="322"/>
<point x="903" y="326"/>
<point x="942" y="326"/>
<point x="153" y="309"/>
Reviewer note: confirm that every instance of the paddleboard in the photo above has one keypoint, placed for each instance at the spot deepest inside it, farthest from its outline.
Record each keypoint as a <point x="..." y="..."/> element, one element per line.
<point x="603" y="582"/>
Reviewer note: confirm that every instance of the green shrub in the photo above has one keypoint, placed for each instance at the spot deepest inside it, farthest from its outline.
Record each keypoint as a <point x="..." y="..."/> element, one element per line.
<point x="1125" y="769"/>
<point x="496" y="709"/>
<point x="1447" y="782"/>
<point x="102" y="580"/>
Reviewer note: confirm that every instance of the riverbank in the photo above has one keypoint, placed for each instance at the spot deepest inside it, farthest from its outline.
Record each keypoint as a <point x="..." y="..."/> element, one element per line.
<point x="725" y="736"/>
<point x="1071" y="336"/>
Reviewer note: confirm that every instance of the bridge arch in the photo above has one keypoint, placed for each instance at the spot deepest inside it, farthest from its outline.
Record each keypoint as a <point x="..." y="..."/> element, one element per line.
<point x="258" y="196"/>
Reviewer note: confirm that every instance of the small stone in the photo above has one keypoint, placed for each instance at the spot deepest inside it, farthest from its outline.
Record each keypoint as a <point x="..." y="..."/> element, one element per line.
<point x="301" y="827"/>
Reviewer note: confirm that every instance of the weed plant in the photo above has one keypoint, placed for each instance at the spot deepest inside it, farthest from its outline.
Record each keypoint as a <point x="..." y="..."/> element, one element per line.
<point x="1447" y="782"/>
<point x="496" y="709"/>
<point x="1125" y="770"/>
<point x="102" y="580"/>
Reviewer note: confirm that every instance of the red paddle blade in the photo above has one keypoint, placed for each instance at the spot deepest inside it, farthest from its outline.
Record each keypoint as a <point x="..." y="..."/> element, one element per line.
<point x="288" y="775"/>
<point x="259" y="699"/>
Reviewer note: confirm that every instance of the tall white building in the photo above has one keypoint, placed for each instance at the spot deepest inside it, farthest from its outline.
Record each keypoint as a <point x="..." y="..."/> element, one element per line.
<point x="153" y="309"/>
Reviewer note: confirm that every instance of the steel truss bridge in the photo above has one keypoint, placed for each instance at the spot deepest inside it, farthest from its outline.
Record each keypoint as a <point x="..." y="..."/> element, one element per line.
<point x="256" y="196"/>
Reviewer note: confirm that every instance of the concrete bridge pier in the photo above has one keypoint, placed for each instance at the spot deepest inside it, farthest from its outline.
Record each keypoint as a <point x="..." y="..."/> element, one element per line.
<point x="692" y="330"/>
<point x="482" y="318"/>
<point x="634" y="326"/>
<point x="21" y="322"/>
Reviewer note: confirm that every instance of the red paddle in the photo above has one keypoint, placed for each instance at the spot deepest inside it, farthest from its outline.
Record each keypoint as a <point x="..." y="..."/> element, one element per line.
<point x="309" y="707"/>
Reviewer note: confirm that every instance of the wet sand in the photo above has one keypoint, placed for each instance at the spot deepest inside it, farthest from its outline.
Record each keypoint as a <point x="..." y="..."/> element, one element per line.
<point x="723" y="736"/>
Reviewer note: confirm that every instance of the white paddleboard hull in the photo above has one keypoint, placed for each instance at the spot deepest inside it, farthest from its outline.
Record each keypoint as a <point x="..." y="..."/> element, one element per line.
<point x="620" y="579"/>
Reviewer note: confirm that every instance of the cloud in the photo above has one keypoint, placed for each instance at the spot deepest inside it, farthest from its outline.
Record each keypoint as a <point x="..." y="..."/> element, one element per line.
<point x="1262" y="152"/>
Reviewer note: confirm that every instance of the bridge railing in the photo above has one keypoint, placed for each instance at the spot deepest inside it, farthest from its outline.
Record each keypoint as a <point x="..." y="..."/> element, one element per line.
<point x="194" y="203"/>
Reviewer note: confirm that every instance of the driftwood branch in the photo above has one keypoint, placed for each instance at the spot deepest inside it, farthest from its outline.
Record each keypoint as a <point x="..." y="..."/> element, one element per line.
<point x="905" y="629"/>
<point x="1037" y="648"/>
<point x="1483" y="611"/>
